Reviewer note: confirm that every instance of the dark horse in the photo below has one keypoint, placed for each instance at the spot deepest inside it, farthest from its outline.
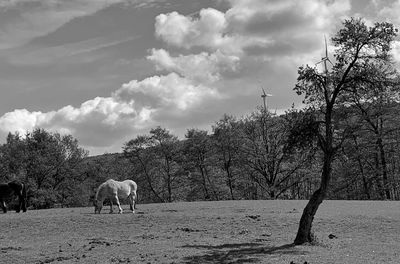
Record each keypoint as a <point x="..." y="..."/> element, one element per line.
<point x="8" y="190"/>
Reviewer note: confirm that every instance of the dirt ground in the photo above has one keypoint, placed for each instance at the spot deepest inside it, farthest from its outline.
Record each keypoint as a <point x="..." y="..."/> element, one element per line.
<point x="204" y="232"/>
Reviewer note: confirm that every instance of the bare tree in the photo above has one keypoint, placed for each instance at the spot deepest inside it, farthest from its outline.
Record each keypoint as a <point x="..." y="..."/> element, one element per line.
<point x="358" y="47"/>
<point x="266" y="152"/>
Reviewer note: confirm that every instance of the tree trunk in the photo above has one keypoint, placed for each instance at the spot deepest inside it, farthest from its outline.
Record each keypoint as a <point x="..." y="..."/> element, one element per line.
<point x="204" y="183"/>
<point x="230" y="184"/>
<point x="360" y="166"/>
<point x="169" y="188"/>
<point x="384" y="168"/>
<point x="216" y="197"/>
<point x="272" y="194"/>
<point x="378" y="178"/>
<point x="304" y="233"/>
<point x="148" y="179"/>
<point x="364" y="179"/>
<point x="229" y="178"/>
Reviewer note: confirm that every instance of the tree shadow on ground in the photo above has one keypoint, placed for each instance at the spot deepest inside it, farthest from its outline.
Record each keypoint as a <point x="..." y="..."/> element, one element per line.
<point x="239" y="253"/>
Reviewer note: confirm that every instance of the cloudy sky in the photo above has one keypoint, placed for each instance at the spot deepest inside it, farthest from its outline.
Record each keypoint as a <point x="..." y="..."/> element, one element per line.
<point x="108" y="70"/>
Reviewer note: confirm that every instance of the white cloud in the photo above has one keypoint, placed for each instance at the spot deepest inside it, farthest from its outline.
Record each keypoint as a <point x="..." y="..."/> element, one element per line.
<point x="21" y="120"/>
<point x="160" y="92"/>
<point x="108" y="109"/>
<point x="202" y="67"/>
<point x="254" y="24"/>
<point x="396" y="51"/>
<point x="185" y="31"/>
<point x="104" y="120"/>
<point x="99" y="115"/>
<point x="267" y="17"/>
<point x="390" y="12"/>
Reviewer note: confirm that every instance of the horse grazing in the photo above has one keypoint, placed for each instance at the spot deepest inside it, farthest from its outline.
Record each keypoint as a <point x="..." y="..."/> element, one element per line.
<point x="8" y="190"/>
<point x="114" y="190"/>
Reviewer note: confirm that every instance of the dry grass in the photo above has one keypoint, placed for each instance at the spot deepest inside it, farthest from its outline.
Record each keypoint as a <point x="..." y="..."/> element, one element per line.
<point x="204" y="232"/>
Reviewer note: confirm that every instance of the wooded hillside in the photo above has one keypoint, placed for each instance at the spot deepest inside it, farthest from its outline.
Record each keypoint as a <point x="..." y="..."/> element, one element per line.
<point x="260" y="156"/>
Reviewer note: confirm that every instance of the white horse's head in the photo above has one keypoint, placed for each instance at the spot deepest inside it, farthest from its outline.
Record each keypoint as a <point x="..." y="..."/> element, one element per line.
<point x="97" y="206"/>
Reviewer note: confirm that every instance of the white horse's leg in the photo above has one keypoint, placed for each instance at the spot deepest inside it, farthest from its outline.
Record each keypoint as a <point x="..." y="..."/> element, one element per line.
<point x="111" y="205"/>
<point x="119" y="205"/>
<point x="132" y="202"/>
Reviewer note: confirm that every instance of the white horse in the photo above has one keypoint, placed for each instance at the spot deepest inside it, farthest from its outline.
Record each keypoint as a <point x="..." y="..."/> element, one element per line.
<point x="113" y="189"/>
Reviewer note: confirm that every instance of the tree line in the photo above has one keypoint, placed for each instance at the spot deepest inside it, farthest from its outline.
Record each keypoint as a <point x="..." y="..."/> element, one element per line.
<point x="260" y="156"/>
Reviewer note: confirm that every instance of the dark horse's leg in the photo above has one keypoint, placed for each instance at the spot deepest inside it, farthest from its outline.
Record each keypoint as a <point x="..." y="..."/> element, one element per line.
<point x="3" y="206"/>
<point x="22" y="199"/>
<point x="24" y="205"/>
<point x="21" y="204"/>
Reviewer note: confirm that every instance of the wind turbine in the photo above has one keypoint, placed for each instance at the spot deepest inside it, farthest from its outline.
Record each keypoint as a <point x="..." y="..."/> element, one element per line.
<point x="264" y="97"/>
<point x="325" y="59"/>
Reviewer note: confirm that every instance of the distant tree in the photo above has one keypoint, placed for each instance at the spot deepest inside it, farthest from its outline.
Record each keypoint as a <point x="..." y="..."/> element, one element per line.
<point x="51" y="160"/>
<point x="227" y="140"/>
<point x="374" y="100"/>
<point x="359" y="48"/>
<point x="67" y="176"/>
<point x="353" y="169"/>
<point x="159" y="157"/>
<point x="198" y="161"/>
<point x="266" y="152"/>
<point x="167" y="151"/>
<point x="12" y="158"/>
<point x="140" y="152"/>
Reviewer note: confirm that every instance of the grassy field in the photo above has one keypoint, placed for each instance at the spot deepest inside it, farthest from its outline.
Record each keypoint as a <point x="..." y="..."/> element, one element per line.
<point x="204" y="232"/>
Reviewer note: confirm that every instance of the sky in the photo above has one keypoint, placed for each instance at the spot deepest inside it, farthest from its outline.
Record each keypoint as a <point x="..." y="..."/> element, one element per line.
<point x="106" y="71"/>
